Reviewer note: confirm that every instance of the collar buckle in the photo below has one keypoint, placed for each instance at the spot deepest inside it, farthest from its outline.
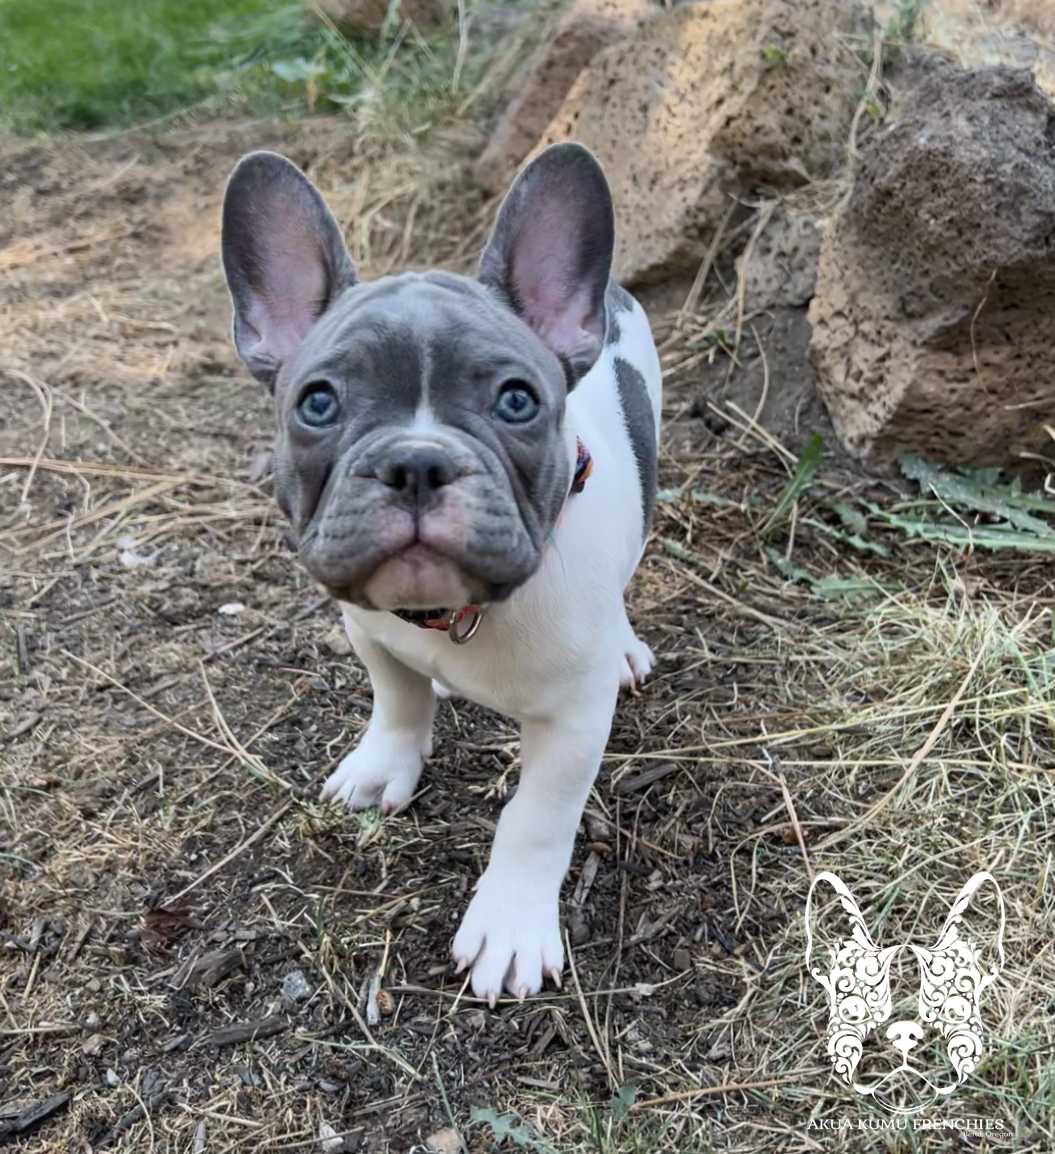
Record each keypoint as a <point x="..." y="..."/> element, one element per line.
<point x="457" y="616"/>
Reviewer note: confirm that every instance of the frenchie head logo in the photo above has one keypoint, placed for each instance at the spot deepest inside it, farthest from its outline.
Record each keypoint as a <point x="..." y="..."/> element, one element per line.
<point x="905" y="1019"/>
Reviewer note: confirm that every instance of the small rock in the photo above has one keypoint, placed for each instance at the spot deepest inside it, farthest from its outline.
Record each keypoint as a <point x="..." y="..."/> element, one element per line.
<point x="945" y="351"/>
<point x="231" y="609"/>
<point x="91" y="1022"/>
<point x="93" y="1046"/>
<point x="295" y="986"/>
<point x="130" y="557"/>
<point x="597" y="827"/>
<point x="720" y="1051"/>
<point x="682" y="959"/>
<point x="579" y="928"/>
<point x="112" y="1078"/>
<point x="336" y="641"/>
<point x="329" y="1142"/>
<point x="446" y="1141"/>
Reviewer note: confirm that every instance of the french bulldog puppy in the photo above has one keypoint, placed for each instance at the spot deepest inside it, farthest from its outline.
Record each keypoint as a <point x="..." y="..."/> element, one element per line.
<point x="469" y="466"/>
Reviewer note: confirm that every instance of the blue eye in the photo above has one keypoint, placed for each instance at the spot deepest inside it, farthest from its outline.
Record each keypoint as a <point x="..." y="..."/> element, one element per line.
<point x="516" y="403"/>
<point x="318" y="407"/>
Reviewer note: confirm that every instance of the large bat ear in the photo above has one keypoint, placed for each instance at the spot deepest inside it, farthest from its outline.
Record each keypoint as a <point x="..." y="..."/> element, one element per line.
<point x="284" y="258"/>
<point x="976" y="920"/>
<point x="550" y="254"/>
<point x="833" y="927"/>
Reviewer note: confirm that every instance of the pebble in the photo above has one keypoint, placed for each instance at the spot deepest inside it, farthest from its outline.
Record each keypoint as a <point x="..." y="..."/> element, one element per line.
<point x="329" y="1142"/>
<point x="336" y="641"/>
<point x="446" y="1141"/>
<point x="295" y="986"/>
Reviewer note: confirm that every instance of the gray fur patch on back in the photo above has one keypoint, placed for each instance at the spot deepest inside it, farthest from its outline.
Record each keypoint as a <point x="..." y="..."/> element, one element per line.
<point x="616" y="300"/>
<point x="641" y="425"/>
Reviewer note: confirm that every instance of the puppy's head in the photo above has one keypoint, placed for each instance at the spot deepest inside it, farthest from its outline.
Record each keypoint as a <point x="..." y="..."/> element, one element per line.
<point x="420" y="452"/>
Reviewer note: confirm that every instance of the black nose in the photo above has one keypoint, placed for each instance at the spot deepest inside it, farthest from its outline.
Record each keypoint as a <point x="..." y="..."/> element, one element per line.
<point x="416" y="471"/>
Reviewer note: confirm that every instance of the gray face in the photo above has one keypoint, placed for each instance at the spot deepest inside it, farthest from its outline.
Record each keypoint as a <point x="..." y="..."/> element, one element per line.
<point x="420" y="451"/>
<point x="419" y="480"/>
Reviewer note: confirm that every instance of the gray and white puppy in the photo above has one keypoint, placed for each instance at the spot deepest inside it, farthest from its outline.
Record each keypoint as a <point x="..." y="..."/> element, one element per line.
<point x="465" y="460"/>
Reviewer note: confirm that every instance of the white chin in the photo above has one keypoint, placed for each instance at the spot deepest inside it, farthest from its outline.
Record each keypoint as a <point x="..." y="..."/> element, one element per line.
<point x="418" y="578"/>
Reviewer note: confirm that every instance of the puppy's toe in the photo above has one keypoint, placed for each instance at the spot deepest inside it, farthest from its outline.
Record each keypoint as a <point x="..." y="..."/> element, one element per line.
<point x="524" y="976"/>
<point x="344" y="789"/>
<point x="489" y="972"/>
<point x="397" y="794"/>
<point x="637" y="665"/>
<point x="553" y="957"/>
<point x="467" y="944"/>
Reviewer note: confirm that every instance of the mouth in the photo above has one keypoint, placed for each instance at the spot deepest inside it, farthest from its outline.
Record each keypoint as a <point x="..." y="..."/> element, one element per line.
<point x="394" y="558"/>
<point x="417" y="576"/>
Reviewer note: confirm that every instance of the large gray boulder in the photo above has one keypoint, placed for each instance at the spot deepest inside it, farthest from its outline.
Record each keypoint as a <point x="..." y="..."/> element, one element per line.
<point x="934" y="314"/>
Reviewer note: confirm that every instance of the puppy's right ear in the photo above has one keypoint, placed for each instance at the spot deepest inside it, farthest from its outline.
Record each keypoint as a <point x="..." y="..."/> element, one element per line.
<point x="284" y="258"/>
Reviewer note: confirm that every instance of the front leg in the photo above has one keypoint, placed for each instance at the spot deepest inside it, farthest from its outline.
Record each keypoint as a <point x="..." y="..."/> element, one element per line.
<point x="511" y="931"/>
<point x="384" y="767"/>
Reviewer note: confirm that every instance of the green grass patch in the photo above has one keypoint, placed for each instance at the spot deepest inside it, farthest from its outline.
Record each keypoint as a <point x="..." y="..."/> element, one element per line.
<point x="90" y="64"/>
<point x="83" y="64"/>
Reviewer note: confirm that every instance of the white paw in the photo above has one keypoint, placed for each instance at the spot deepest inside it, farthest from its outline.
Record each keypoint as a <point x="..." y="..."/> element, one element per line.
<point x="441" y="690"/>
<point x="637" y="664"/>
<point x="380" y="771"/>
<point x="510" y="935"/>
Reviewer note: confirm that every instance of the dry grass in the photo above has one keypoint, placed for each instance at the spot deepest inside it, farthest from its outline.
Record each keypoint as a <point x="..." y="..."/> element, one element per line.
<point x="173" y="692"/>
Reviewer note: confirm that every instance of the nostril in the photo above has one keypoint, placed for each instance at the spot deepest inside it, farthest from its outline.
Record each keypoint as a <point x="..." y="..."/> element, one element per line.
<point x="419" y="471"/>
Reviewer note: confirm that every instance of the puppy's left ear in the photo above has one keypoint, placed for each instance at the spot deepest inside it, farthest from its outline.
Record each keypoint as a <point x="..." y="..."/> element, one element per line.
<point x="550" y="254"/>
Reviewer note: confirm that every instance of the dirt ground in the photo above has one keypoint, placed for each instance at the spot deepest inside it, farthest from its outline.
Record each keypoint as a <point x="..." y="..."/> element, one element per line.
<point x="191" y="947"/>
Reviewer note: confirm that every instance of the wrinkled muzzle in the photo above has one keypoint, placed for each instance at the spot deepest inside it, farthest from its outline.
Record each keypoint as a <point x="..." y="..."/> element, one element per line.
<point x="418" y="523"/>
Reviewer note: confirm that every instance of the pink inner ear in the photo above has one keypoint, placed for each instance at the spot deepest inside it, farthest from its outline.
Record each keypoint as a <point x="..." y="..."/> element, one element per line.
<point x="559" y="321"/>
<point x="291" y="296"/>
<point x="553" y="305"/>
